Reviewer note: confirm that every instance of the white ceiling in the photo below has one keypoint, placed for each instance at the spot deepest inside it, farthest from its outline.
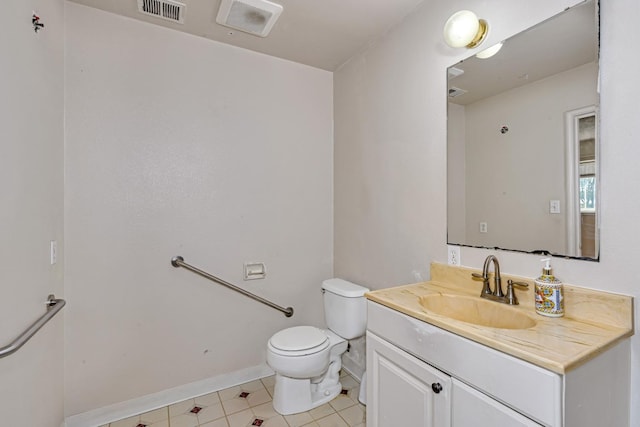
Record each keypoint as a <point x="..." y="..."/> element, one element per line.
<point x="319" y="33"/>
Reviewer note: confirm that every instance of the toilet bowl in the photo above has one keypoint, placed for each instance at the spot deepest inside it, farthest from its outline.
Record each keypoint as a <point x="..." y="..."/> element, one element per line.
<point x="307" y="360"/>
<point x="299" y="352"/>
<point x="306" y="378"/>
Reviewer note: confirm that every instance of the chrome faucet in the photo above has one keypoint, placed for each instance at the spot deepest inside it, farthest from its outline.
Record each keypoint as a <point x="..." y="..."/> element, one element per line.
<point x="497" y="294"/>
<point x="497" y="280"/>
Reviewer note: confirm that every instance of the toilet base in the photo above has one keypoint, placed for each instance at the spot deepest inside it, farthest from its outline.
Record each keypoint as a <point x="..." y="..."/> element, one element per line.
<point x="292" y="396"/>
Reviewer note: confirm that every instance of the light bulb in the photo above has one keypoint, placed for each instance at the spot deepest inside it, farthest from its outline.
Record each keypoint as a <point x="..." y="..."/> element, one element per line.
<point x="464" y="28"/>
<point x="490" y="51"/>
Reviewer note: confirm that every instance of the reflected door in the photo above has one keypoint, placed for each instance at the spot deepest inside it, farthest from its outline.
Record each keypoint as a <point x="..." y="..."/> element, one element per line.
<point x="582" y="182"/>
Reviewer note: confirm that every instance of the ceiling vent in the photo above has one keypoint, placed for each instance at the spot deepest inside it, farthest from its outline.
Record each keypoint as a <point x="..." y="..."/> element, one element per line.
<point x="166" y="9"/>
<point x="255" y="17"/>
<point x="456" y="91"/>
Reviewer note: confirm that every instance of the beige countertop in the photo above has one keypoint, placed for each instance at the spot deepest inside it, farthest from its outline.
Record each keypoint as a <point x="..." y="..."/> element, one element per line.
<point x="593" y="321"/>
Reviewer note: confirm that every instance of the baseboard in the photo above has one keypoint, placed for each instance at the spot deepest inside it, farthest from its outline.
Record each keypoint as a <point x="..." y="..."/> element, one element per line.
<point x="354" y="360"/>
<point x="356" y="373"/>
<point x="118" y="411"/>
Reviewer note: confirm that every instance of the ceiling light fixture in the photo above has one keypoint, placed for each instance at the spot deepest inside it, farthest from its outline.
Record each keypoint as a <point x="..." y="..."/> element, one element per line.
<point x="464" y="29"/>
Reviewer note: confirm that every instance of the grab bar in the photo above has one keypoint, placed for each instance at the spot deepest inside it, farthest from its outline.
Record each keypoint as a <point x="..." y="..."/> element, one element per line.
<point x="54" y="305"/>
<point x="178" y="261"/>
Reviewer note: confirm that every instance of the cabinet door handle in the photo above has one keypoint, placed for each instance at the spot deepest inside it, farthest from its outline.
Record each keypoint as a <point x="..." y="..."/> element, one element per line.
<point x="436" y="387"/>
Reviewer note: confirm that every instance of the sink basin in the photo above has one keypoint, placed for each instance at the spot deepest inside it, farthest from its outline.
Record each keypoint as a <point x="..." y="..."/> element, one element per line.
<point x="476" y="311"/>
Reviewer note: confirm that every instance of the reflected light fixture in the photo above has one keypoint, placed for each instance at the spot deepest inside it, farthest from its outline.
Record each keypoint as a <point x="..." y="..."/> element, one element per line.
<point x="490" y="51"/>
<point x="464" y="29"/>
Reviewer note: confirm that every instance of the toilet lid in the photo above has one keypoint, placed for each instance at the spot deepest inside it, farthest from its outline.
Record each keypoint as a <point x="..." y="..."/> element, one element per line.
<point x="298" y="338"/>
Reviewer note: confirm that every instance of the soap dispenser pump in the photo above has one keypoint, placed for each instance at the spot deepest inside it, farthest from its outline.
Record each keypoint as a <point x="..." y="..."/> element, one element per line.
<point x="548" y="293"/>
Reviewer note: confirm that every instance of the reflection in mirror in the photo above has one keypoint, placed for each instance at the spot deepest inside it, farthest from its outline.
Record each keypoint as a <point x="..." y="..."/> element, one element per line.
<point x="523" y="141"/>
<point x="581" y="150"/>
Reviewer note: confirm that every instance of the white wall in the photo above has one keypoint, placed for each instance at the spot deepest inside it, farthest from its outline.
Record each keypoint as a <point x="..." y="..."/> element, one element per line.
<point x="177" y="145"/>
<point x="31" y="172"/>
<point x="529" y="156"/>
<point x="387" y="217"/>
<point x="390" y="154"/>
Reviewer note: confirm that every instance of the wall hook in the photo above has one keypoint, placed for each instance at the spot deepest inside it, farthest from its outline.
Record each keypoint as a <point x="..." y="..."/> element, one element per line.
<point x="37" y="25"/>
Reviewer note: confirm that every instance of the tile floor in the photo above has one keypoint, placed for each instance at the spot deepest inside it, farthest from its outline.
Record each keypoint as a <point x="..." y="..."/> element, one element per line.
<point x="249" y="405"/>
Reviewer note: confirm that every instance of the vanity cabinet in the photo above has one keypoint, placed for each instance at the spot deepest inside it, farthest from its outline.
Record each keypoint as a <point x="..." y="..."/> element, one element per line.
<point x="404" y="391"/>
<point x="469" y="407"/>
<point x="421" y="375"/>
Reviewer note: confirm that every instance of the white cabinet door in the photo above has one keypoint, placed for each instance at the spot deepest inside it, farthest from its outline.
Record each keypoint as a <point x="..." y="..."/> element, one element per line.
<point x="403" y="391"/>
<point x="470" y="408"/>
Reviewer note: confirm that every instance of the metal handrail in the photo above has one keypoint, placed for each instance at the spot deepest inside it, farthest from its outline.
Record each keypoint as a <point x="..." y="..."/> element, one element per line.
<point x="54" y="305"/>
<point x="178" y="261"/>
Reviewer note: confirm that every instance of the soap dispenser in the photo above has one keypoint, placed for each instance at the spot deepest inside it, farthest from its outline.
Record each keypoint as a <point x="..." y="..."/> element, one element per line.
<point x="548" y="293"/>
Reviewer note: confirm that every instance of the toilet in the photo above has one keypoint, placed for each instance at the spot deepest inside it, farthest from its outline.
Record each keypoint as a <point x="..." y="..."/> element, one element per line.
<point x="307" y="360"/>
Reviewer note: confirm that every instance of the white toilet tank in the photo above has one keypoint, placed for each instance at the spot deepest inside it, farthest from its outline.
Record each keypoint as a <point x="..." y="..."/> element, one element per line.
<point x="345" y="308"/>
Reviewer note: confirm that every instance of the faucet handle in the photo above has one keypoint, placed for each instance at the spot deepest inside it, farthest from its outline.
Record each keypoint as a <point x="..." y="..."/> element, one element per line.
<point x="511" y="296"/>
<point x="486" y="288"/>
<point x="523" y="285"/>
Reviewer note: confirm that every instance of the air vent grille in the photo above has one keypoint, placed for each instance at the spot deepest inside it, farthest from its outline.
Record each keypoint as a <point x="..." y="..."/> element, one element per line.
<point x="165" y="9"/>
<point x="456" y="91"/>
<point x="454" y="72"/>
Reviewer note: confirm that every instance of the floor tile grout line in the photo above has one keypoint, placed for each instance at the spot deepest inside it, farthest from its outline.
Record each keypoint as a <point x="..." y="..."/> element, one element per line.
<point x="251" y="407"/>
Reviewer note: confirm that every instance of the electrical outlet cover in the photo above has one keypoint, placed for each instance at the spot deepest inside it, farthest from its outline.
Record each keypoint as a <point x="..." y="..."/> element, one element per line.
<point x="453" y="255"/>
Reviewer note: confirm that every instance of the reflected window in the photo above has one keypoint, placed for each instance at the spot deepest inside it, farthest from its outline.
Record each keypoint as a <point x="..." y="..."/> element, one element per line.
<point x="587" y="168"/>
<point x="588" y="193"/>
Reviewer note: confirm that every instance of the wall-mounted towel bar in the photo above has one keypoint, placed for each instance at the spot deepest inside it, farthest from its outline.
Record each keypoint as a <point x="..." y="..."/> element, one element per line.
<point x="178" y="261"/>
<point x="54" y="305"/>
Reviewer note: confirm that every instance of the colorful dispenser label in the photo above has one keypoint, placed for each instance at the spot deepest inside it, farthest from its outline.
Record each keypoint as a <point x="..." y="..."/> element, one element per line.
<point x="549" y="300"/>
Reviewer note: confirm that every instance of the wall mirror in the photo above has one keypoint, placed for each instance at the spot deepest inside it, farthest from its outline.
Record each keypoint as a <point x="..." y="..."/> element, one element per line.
<point x="522" y="141"/>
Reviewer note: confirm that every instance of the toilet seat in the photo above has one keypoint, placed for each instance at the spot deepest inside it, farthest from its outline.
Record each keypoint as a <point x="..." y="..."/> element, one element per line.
<point x="299" y="341"/>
